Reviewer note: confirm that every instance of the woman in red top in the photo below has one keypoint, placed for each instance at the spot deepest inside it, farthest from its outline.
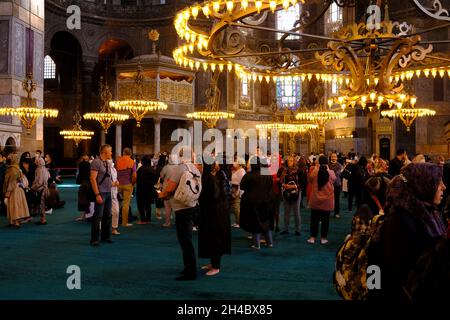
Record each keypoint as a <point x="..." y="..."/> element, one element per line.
<point x="321" y="200"/>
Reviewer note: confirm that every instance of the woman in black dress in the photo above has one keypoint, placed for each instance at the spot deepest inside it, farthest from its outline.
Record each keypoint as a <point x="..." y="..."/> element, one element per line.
<point x="257" y="204"/>
<point x="214" y="227"/>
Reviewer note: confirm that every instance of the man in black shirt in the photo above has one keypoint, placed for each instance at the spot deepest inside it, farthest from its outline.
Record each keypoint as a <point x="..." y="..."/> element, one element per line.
<point x="396" y="164"/>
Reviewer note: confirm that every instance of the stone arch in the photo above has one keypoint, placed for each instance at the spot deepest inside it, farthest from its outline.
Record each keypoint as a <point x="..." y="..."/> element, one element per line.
<point x="10" y="144"/>
<point x="60" y="27"/>
<point x="119" y="36"/>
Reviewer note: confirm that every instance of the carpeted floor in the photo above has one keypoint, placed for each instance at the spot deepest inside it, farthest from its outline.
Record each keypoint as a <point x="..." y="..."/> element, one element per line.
<point x="144" y="260"/>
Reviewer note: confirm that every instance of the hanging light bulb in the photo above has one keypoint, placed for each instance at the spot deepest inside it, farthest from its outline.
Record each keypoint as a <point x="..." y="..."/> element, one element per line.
<point x="206" y="11"/>
<point x="230" y="6"/>
<point x="273" y="5"/>
<point x="216" y="6"/>
<point x="195" y="11"/>
<point x="286" y="5"/>
<point x="244" y="4"/>
<point x="258" y="5"/>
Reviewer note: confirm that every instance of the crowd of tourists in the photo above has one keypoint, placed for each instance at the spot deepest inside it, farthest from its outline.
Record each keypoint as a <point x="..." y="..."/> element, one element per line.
<point x="215" y="197"/>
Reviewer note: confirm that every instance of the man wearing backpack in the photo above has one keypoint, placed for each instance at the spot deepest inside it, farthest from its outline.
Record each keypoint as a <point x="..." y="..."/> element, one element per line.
<point x="182" y="188"/>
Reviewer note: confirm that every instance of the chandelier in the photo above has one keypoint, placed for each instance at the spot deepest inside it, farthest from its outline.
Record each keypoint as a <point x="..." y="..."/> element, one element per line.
<point x="408" y="114"/>
<point x="320" y="117"/>
<point x="211" y="115"/>
<point x="28" y="114"/>
<point x="139" y="107"/>
<point x="362" y="58"/>
<point x="77" y="134"/>
<point x="373" y="99"/>
<point x="105" y="117"/>
<point x="286" y="125"/>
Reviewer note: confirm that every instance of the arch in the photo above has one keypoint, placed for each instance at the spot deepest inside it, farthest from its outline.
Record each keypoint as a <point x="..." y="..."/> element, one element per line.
<point x="10" y="145"/>
<point x="115" y="45"/>
<point x="117" y="36"/>
<point x="66" y="52"/>
<point x="60" y="27"/>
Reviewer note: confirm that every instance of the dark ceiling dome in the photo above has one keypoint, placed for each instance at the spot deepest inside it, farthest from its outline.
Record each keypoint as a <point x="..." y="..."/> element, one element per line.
<point x="137" y="10"/>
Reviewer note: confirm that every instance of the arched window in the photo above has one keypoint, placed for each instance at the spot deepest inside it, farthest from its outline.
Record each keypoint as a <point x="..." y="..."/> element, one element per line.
<point x="244" y="87"/>
<point x="335" y="13"/>
<point x="289" y="93"/>
<point x="285" y="19"/>
<point x="49" y="68"/>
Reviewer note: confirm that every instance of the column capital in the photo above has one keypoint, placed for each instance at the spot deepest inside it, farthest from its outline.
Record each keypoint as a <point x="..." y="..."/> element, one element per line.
<point x="157" y="120"/>
<point x="88" y="63"/>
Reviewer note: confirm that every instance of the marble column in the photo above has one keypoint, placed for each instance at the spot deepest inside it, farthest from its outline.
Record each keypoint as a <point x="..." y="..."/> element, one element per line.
<point x="88" y="65"/>
<point x="102" y="137"/>
<point x="118" y="140"/>
<point x="157" y="144"/>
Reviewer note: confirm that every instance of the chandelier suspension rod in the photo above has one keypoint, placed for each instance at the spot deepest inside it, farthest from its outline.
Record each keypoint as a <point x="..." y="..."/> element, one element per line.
<point x="437" y="58"/>
<point x="261" y="54"/>
<point x="445" y="25"/>
<point x="435" y="42"/>
<point x="286" y="32"/>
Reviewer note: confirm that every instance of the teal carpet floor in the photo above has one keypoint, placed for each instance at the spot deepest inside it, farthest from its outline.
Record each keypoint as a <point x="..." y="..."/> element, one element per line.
<point x="144" y="260"/>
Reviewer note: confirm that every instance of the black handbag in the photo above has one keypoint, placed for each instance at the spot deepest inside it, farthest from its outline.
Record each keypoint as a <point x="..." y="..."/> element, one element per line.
<point x="292" y="194"/>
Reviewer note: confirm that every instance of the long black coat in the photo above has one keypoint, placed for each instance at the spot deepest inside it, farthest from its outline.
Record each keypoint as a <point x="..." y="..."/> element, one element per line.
<point x="145" y="181"/>
<point x="214" y="230"/>
<point x="257" y="203"/>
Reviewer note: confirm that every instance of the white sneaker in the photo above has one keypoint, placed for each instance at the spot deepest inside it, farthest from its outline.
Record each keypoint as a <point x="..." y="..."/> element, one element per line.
<point x="49" y="211"/>
<point x="311" y="240"/>
<point x="324" y="241"/>
<point x="194" y="229"/>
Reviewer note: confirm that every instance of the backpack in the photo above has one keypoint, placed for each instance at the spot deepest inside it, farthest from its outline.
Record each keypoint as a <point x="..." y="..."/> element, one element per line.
<point x="350" y="278"/>
<point x="190" y="187"/>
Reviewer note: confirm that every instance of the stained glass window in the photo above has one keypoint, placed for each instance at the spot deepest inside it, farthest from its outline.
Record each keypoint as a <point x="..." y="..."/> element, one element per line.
<point x="244" y="90"/>
<point x="286" y="19"/>
<point x="49" y="68"/>
<point x="335" y="13"/>
<point x="289" y="93"/>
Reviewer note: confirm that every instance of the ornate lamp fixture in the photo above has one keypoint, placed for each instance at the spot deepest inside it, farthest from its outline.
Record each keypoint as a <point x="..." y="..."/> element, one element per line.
<point x="320" y="116"/>
<point x="105" y="117"/>
<point x="408" y="114"/>
<point x="211" y="114"/>
<point x="362" y="58"/>
<point x="287" y="125"/>
<point x="28" y="114"/>
<point x="139" y="107"/>
<point x="77" y="133"/>
<point x="371" y="100"/>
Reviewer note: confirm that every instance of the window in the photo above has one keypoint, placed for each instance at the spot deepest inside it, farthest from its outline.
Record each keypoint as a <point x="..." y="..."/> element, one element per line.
<point x="49" y="68"/>
<point x="285" y="20"/>
<point x="289" y="93"/>
<point x="244" y="88"/>
<point x="335" y="13"/>
<point x="334" y="88"/>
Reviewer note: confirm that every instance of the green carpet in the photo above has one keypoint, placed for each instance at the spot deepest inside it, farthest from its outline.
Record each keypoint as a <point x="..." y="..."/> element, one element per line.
<point x="144" y="260"/>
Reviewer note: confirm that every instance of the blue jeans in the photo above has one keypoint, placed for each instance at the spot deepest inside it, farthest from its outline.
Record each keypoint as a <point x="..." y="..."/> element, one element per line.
<point x="103" y="216"/>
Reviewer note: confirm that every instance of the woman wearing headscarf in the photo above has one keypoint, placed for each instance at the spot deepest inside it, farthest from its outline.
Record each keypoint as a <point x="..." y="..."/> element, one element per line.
<point x="376" y="186"/>
<point x="412" y="227"/>
<point x="257" y="204"/>
<point x="40" y="186"/>
<point x="214" y="230"/>
<point x="321" y="199"/>
<point x="15" y="199"/>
